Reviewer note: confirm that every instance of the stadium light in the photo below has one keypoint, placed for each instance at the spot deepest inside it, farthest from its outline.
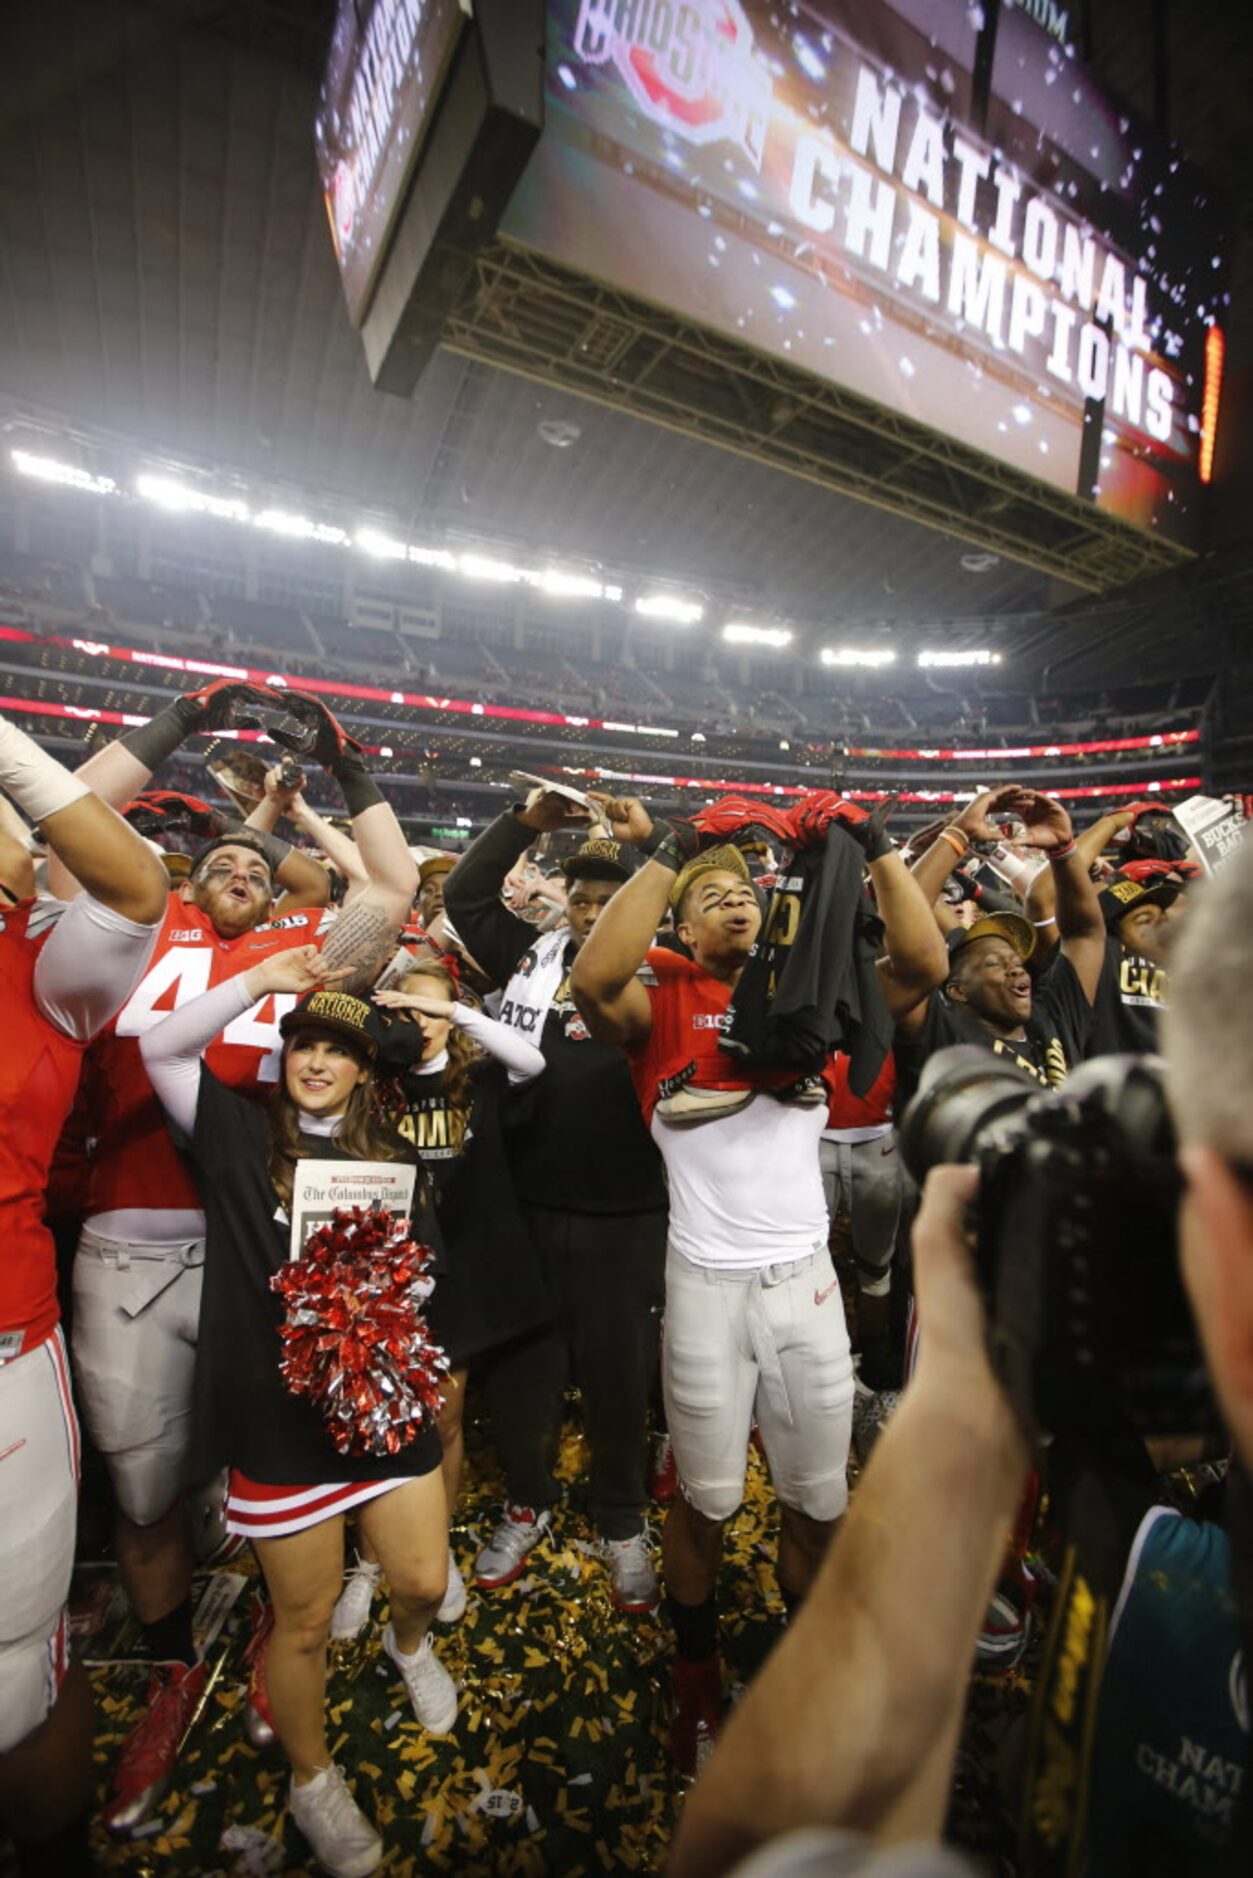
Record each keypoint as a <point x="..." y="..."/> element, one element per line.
<point x="382" y="547"/>
<point x="566" y="586"/>
<point x="168" y="493"/>
<point x="47" y="469"/>
<point x="181" y="499"/>
<point x="300" y="527"/>
<point x="667" y="606"/>
<point x="487" y="567"/>
<point x="982" y="657"/>
<point x="855" y="655"/>
<point x="741" y="635"/>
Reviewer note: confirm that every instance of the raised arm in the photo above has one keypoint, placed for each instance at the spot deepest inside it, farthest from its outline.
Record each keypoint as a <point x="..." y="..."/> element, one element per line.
<point x="490" y="932"/>
<point x="522" y="1059"/>
<point x="303" y="880"/>
<point x="340" y="849"/>
<point x="1041" y="900"/>
<point x="611" y="1000"/>
<point x="115" y="866"/>
<point x="1078" y="912"/>
<point x="123" y="769"/>
<point x="173" y="1048"/>
<point x="364" y="935"/>
<point x="917" y="957"/>
<point x="951" y="843"/>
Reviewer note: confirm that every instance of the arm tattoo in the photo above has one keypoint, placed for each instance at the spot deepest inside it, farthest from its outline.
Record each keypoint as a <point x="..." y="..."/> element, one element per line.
<point x="364" y="937"/>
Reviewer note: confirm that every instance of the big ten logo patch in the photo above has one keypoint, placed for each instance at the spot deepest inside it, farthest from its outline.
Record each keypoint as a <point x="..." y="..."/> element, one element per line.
<point x="689" y="65"/>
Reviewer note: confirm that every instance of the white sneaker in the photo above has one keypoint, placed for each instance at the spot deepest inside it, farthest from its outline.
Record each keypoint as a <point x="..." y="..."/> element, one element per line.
<point x="432" y="1690"/>
<point x="505" y="1554"/>
<point x="453" y="1608"/>
<point x="342" y="1838"/>
<point x="632" y="1580"/>
<point x="352" y="1607"/>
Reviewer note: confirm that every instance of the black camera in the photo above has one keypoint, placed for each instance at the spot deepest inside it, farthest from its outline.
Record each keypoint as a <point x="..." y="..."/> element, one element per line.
<point x="1075" y="1238"/>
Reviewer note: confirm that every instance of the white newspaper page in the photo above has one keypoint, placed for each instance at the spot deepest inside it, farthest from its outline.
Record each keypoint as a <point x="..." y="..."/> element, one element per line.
<point x="319" y="1187"/>
<point x="1214" y="827"/>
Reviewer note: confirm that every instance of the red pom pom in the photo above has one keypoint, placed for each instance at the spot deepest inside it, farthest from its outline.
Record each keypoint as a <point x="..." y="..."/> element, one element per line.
<point x="354" y="1340"/>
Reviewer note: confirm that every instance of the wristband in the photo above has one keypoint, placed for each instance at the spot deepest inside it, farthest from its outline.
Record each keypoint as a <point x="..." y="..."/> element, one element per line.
<point x="1061" y="854"/>
<point x="36" y="781"/>
<point x="668" y="853"/>
<point x="654" y="838"/>
<point x="956" y="841"/>
<point x="276" y="849"/>
<point x="360" y="791"/>
<point x="151" y="743"/>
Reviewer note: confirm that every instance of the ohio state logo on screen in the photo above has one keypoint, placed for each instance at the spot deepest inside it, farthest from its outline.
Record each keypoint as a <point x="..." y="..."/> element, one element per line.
<point x="688" y="64"/>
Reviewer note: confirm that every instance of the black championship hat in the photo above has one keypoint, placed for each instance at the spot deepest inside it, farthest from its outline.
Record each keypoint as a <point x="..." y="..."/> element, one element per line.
<point x="600" y="859"/>
<point x="1122" y="895"/>
<point x="339" y="1012"/>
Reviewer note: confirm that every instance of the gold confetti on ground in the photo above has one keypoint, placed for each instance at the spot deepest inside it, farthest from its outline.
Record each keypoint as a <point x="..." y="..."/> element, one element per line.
<point x="557" y="1763"/>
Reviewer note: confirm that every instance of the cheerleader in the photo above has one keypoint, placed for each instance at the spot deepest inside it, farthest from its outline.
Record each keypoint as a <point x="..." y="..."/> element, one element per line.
<point x="451" y="1060"/>
<point x="289" y="1486"/>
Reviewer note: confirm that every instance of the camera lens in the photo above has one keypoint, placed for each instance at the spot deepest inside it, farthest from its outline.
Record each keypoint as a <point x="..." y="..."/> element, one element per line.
<point x="962" y="1092"/>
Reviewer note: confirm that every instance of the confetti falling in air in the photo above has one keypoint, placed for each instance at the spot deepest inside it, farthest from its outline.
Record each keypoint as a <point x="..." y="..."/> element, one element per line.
<point x="557" y="1763"/>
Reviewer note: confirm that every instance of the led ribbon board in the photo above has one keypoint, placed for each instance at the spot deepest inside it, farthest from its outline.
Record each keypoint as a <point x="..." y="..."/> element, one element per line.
<point x="932" y="205"/>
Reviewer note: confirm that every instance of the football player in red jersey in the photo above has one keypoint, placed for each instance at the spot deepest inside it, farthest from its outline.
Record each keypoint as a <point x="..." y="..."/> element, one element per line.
<point x="63" y="972"/>
<point x="137" y="1276"/>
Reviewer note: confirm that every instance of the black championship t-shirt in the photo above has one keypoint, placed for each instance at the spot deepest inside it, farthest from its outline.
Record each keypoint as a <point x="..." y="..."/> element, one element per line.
<point x="1054" y="1037"/>
<point x="244" y="1416"/>
<point x="489" y="1284"/>
<point x="1129" y="1000"/>
<point x="577" y="1141"/>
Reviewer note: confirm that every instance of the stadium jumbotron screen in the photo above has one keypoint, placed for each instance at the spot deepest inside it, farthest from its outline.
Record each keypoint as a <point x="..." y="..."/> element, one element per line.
<point x="387" y="61"/>
<point x="944" y="215"/>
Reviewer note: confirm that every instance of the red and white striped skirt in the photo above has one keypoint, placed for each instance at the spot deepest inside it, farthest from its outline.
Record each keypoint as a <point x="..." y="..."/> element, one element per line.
<point x="263" y="1512"/>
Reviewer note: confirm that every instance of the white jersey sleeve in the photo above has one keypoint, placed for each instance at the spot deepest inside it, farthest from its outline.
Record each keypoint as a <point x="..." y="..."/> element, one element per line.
<point x="172" y="1051"/>
<point x="90" y="965"/>
<point x="508" y="1046"/>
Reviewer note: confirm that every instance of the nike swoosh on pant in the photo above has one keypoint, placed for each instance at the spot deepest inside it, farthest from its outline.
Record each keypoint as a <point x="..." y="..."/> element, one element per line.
<point x="12" y="1448"/>
<point x="820" y="1297"/>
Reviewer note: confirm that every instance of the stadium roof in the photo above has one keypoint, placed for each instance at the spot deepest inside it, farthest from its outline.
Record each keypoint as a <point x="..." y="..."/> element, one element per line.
<point x="167" y="276"/>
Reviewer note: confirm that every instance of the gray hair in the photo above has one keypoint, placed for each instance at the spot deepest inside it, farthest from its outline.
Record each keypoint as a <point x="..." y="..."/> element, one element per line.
<point x="1208" y="1029"/>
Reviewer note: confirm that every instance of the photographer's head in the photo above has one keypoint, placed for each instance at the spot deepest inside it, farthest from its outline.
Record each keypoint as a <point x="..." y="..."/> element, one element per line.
<point x="988" y="970"/>
<point x="1209" y="1053"/>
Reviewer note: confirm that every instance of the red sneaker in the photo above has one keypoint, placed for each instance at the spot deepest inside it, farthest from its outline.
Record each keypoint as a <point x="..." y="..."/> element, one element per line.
<point x="697" y="1716"/>
<point x="150" y="1753"/>
<point x="258" y="1717"/>
<point x="664" y="1481"/>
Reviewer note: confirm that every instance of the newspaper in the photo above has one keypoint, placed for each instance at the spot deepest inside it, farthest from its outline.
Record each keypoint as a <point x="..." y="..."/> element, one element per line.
<point x="1215" y="828"/>
<point x="320" y="1187"/>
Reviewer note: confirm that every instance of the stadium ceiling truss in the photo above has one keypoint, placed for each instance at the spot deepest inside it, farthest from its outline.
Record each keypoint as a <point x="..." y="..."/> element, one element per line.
<point x="524" y="314"/>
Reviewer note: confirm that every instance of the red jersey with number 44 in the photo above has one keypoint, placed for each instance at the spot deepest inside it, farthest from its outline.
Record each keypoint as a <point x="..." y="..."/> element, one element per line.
<point x="135" y="1164"/>
<point x="39" y="1068"/>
